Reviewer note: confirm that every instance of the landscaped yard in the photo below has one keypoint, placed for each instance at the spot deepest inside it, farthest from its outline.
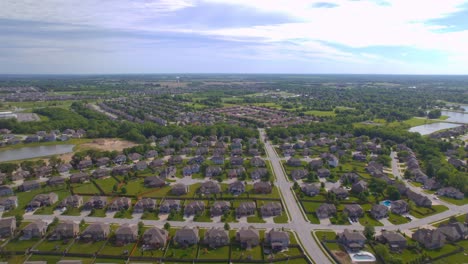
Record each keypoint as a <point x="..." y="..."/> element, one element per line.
<point x="421" y="212"/>
<point x="86" y="247"/>
<point x="454" y="201"/>
<point x="367" y="219"/>
<point x="239" y="253"/>
<point x="255" y="219"/>
<point x="110" y="249"/>
<point x="85" y="188"/>
<point x="209" y="253"/>
<point x="21" y="245"/>
<point x="58" y="246"/>
<point x="106" y="184"/>
<point x="397" y="219"/>
<point x="281" y="219"/>
<point x="182" y="253"/>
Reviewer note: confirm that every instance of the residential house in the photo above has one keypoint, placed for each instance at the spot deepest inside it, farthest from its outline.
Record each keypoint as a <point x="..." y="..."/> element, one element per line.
<point x="186" y="236"/>
<point x="450" y="192"/>
<point x="73" y="201"/>
<point x="432" y="184"/>
<point x="121" y="170"/>
<point x="429" y="239"/>
<point x="294" y="162"/>
<point x="191" y="169"/>
<point x="316" y="164"/>
<point x="246" y="209"/>
<point x="96" y="232"/>
<point x="237" y="161"/>
<point x="120" y="159"/>
<point x="210" y="187"/>
<point x="140" y="165"/>
<point x="145" y="204"/>
<point x="55" y="181"/>
<point x="194" y="208"/>
<point x="101" y="173"/>
<point x="36" y="229"/>
<point x="95" y="202"/>
<point x="271" y="209"/>
<point x="358" y="187"/>
<point x="84" y="164"/>
<point x="65" y="230"/>
<point x="299" y="174"/>
<point x="216" y="237"/>
<point x="134" y="156"/>
<point x="5" y="191"/>
<point x="62" y="168"/>
<point x="395" y="240"/>
<point x="236" y="172"/>
<point x="44" y="171"/>
<point x="340" y="192"/>
<point x="120" y="203"/>
<point x="352" y="240"/>
<point x="126" y="233"/>
<point x="156" y="163"/>
<point x="213" y="171"/>
<point x="262" y="187"/>
<point x="219" y="208"/>
<point x="179" y="189"/>
<point x="277" y="240"/>
<point x="8" y="203"/>
<point x="29" y="185"/>
<point x="174" y="160"/>
<point x="419" y="199"/>
<point x="79" y="177"/>
<point x="248" y="237"/>
<point x="359" y="156"/>
<point x="454" y="231"/>
<point x="310" y="189"/>
<point x="196" y="160"/>
<point x="399" y="207"/>
<point x="7" y="227"/>
<point x="169" y="205"/>
<point x="154" y="182"/>
<point x="353" y="210"/>
<point x="323" y="173"/>
<point x="104" y="161"/>
<point x="43" y="200"/>
<point x="237" y="187"/>
<point x="151" y="154"/>
<point x="168" y="172"/>
<point x="258" y="173"/>
<point x="155" y="238"/>
<point x="257" y="162"/>
<point x="379" y="211"/>
<point x="326" y="210"/>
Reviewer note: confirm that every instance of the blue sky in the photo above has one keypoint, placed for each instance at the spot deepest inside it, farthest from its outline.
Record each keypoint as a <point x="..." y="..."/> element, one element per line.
<point x="234" y="36"/>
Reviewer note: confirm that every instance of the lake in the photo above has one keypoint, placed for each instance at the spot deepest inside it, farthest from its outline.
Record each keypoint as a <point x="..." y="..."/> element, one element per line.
<point x="34" y="152"/>
<point x="456" y="116"/>
<point x="431" y="128"/>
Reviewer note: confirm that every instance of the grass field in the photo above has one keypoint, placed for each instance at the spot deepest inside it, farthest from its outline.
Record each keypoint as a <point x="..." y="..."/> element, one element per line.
<point x="421" y="212"/>
<point x="320" y="113"/>
<point x="367" y="219"/>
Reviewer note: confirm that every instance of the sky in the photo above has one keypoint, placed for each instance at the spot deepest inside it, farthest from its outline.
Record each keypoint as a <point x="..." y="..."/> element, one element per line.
<point x="234" y="36"/>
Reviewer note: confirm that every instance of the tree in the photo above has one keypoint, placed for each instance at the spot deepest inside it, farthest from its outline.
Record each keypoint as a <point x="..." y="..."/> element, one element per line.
<point x="369" y="232"/>
<point x="123" y="190"/>
<point x="140" y="227"/>
<point x="19" y="218"/>
<point x="227" y="227"/>
<point x="167" y="226"/>
<point x="436" y="113"/>
<point x="393" y="193"/>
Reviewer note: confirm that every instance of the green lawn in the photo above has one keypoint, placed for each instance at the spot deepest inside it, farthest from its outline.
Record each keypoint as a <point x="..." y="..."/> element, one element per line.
<point x="421" y="212"/>
<point x="281" y="219"/>
<point x="339" y="219"/>
<point x="110" y="249"/>
<point x="48" y="259"/>
<point x="239" y="253"/>
<point x="205" y="217"/>
<point x="460" y="218"/>
<point x="127" y="214"/>
<point x="85" y="188"/>
<point x="72" y="211"/>
<point x="175" y="251"/>
<point x="310" y="207"/>
<point x="58" y="246"/>
<point x="209" y="253"/>
<point x="86" y="247"/>
<point x="320" y="113"/>
<point x="106" y="184"/>
<point x="397" y="219"/>
<point x="367" y="219"/>
<point x="21" y="245"/>
<point x="150" y="216"/>
<point x="454" y="201"/>
<point x="255" y="219"/>
<point x="313" y="218"/>
<point x="325" y="235"/>
<point x="98" y="213"/>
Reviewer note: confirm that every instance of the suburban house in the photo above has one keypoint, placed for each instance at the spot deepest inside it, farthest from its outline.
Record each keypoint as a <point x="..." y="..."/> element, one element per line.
<point x="316" y="164"/>
<point x="257" y="162"/>
<point x="43" y="200"/>
<point x="353" y="240"/>
<point x="271" y="209"/>
<point x="64" y="168"/>
<point x="194" y="208"/>
<point x="126" y="233"/>
<point x="96" y="232"/>
<point x="5" y="191"/>
<point x="155" y="238"/>
<point x="399" y="207"/>
<point x="216" y="237"/>
<point x="210" y="187"/>
<point x="79" y="177"/>
<point x="379" y="211"/>
<point x="8" y="203"/>
<point x="29" y="185"/>
<point x="299" y="174"/>
<point x="262" y="187"/>
<point x="395" y="240"/>
<point x="54" y="181"/>
<point x="100" y="173"/>
<point x="65" y="230"/>
<point x="278" y="240"/>
<point x="323" y="173"/>
<point x="353" y="210"/>
<point x="140" y="165"/>
<point x="430" y="239"/>
<point x="217" y="159"/>
<point x="340" y="192"/>
<point x="237" y="188"/>
<point x="120" y="203"/>
<point x="186" y="236"/>
<point x="246" y="209"/>
<point x="121" y="170"/>
<point x="134" y="156"/>
<point x="213" y="171"/>
<point x="145" y="204"/>
<point x="169" y="205"/>
<point x="294" y="162"/>
<point x="258" y="173"/>
<point x="104" y="161"/>
<point x="95" y="202"/>
<point x="310" y="189"/>
<point x="151" y="154"/>
<point x="454" y="231"/>
<point x="248" y="237"/>
<point x="74" y="201"/>
<point x="219" y="208"/>
<point x="154" y="182"/>
<point x="325" y="210"/>
<point x="36" y="229"/>
<point x="7" y="227"/>
<point x="120" y="159"/>
<point x="419" y="199"/>
<point x="168" y="172"/>
<point x="179" y="189"/>
<point x="450" y="192"/>
<point x="156" y="163"/>
<point x="191" y="169"/>
<point x="358" y="187"/>
<point x="237" y="161"/>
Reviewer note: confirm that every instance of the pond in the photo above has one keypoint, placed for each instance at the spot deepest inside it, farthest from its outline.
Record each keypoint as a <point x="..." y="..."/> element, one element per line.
<point x="34" y="152"/>
<point x="456" y="116"/>
<point x="431" y="128"/>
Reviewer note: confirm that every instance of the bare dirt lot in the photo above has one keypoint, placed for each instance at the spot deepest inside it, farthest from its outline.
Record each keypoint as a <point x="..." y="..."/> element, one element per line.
<point x="108" y="144"/>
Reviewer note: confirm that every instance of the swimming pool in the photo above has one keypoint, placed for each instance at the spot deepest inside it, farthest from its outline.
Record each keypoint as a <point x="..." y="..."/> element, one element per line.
<point x="362" y="256"/>
<point x="387" y="203"/>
